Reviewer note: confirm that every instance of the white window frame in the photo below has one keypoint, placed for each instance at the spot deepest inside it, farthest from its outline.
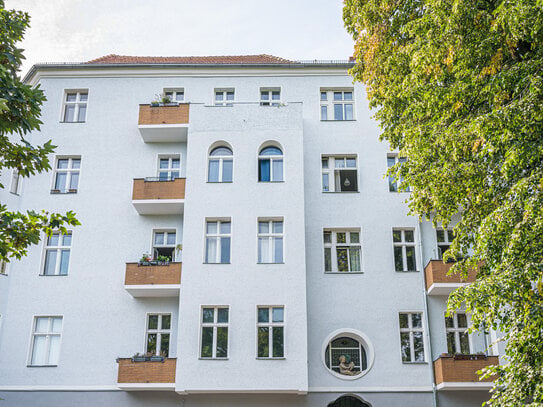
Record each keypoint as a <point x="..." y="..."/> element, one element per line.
<point x="177" y="95"/>
<point x="394" y="185"/>
<point x="78" y="103"/>
<point x="333" y="174"/>
<point x="16" y="182"/>
<point x="411" y="330"/>
<point x="333" y="246"/>
<point x="159" y="331"/>
<point x="328" y="102"/>
<point x="271" y="325"/>
<point x="404" y="244"/>
<point x="271" y="237"/>
<point x="215" y="324"/>
<point x="271" y="158"/>
<point x="457" y="330"/>
<point x="48" y="336"/>
<point x="165" y="245"/>
<point x="225" y="93"/>
<point x="70" y="171"/>
<point x="59" y="249"/>
<point x="221" y="159"/>
<point x="269" y="100"/>
<point x="170" y="170"/>
<point x="218" y="237"/>
<point x="448" y="236"/>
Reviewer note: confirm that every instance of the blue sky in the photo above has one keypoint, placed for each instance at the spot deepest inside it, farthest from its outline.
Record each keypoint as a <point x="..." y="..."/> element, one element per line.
<point x="79" y="30"/>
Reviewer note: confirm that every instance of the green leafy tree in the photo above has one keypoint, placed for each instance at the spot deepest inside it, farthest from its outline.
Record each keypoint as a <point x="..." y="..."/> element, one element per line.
<point x="20" y="107"/>
<point x="458" y="89"/>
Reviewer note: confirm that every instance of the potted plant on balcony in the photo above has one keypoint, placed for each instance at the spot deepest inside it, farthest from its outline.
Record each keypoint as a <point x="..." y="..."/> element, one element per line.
<point x="145" y="260"/>
<point x="137" y="357"/>
<point x="163" y="260"/>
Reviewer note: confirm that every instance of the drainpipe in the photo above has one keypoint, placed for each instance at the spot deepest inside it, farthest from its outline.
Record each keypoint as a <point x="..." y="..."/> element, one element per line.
<point x="428" y="338"/>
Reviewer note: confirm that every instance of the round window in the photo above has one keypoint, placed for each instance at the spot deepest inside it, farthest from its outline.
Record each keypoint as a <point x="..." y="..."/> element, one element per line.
<point x="348" y="354"/>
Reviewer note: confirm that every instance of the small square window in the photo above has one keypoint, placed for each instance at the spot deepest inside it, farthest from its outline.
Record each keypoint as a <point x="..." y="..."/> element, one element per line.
<point x="74" y="108"/>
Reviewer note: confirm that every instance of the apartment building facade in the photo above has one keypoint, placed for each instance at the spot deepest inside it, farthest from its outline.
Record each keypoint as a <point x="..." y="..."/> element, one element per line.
<point x="239" y="245"/>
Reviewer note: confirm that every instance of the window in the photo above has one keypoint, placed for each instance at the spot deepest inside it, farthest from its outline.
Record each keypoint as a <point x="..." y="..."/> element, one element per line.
<point x="218" y="235"/>
<point x="3" y="267"/>
<point x="221" y="165"/>
<point x="339" y="174"/>
<point x="346" y="356"/>
<point x="214" y="332"/>
<point x="158" y="335"/>
<point x="348" y="401"/>
<point x="270" y="241"/>
<point x="15" y="187"/>
<point x="66" y="175"/>
<point x="444" y="238"/>
<point x="342" y="251"/>
<point x="457" y="335"/>
<point x="164" y="245"/>
<point x="270" y="165"/>
<point x="45" y="340"/>
<point x="270" y="97"/>
<point x="224" y="97"/>
<point x="412" y="337"/>
<point x="404" y="249"/>
<point x="75" y="106"/>
<point x="57" y="254"/>
<point x="168" y="167"/>
<point x="337" y="104"/>
<point x="395" y="185"/>
<point x="271" y="331"/>
<point x="175" y="95"/>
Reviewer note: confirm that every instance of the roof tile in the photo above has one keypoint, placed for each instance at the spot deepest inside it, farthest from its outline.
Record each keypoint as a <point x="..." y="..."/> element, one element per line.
<point x="196" y="60"/>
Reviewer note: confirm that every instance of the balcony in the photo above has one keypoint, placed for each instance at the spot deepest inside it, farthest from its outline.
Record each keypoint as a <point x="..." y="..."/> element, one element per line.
<point x="164" y="124"/>
<point x="460" y="372"/>
<point x="150" y="196"/>
<point x="153" y="280"/>
<point x="146" y="375"/>
<point x="439" y="283"/>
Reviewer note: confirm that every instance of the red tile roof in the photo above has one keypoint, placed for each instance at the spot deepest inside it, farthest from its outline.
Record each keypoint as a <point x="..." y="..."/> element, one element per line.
<point x="202" y="60"/>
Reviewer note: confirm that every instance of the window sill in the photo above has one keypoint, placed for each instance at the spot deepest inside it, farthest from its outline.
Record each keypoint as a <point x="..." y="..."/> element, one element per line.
<point x="219" y="182"/>
<point x="14" y="193"/>
<point x="71" y="122"/>
<point x="270" y="263"/>
<point x="271" y="182"/>
<point x="340" y="192"/>
<point x="58" y="192"/>
<point x="343" y="272"/>
<point x="53" y="275"/>
<point x="212" y="358"/>
<point x="216" y="263"/>
<point x="41" y="365"/>
<point x="352" y="120"/>
<point x="4" y="274"/>
<point x="407" y="271"/>
<point x="281" y="358"/>
<point x="414" y="363"/>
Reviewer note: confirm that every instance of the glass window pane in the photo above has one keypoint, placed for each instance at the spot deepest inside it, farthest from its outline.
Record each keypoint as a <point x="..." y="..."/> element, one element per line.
<point x="278" y="314"/>
<point x="211" y="227"/>
<point x="225" y="250"/>
<point x="82" y="113"/>
<point x="64" y="262"/>
<point x="263" y="250"/>
<point x="179" y="96"/>
<point x="416" y="320"/>
<point x="264" y="170"/>
<point x="159" y="238"/>
<point x="325" y="183"/>
<point x="327" y="259"/>
<point x="324" y="163"/>
<point x="222" y="151"/>
<point x="171" y="238"/>
<point x="464" y="343"/>
<point x="152" y="322"/>
<point x="50" y="262"/>
<point x="324" y="112"/>
<point x="163" y="176"/>
<point x="278" y="250"/>
<point x="207" y="314"/>
<point x="211" y="250"/>
<point x="69" y="113"/>
<point x="164" y="163"/>
<point x="409" y="236"/>
<point x="440" y="234"/>
<point x="323" y="95"/>
<point x="277" y="339"/>
<point x="276" y="95"/>
<point x="347" y="95"/>
<point x="174" y="175"/>
<point x="263" y="227"/>
<point x="449" y="323"/>
<point x="277" y="226"/>
<point x="397" y="236"/>
<point x="76" y="163"/>
<point x="327" y="237"/>
<point x="398" y="259"/>
<point x="338" y="111"/>
<point x="348" y="112"/>
<point x="66" y="240"/>
<point x="404" y="321"/>
<point x="410" y="256"/>
<point x="229" y="95"/>
<point x="263" y="342"/>
<point x="391" y="161"/>
<point x="60" y="181"/>
<point x="38" y="351"/>
<point x="71" y="97"/>
<point x="419" y="346"/>
<point x="74" y="180"/>
<point x="222" y="342"/>
<point x="166" y="321"/>
<point x="222" y="315"/>
<point x="165" y="345"/>
<point x="264" y="95"/>
<point x="83" y="97"/>
<point x="56" y="325"/>
<point x="227" y="166"/>
<point x="462" y="321"/>
<point x="392" y="186"/>
<point x="338" y="96"/>
<point x="354" y="254"/>
<point x="218" y="96"/>
<point x="207" y="342"/>
<point x="225" y="227"/>
<point x="355" y="237"/>
<point x="53" y="240"/>
<point x="175" y="162"/>
<point x="342" y="260"/>
<point x="277" y="170"/>
<point x="451" y="347"/>
<point x="450" y="235"/>
<point x="406" y="347"/>
<point x="42" y="325"/>
<point x="213" y="172"/>
<point x="341" y="237"/>
<point x="351" y="162"/>
<point x="63" y="163"/>
<point x="151" y="343"/>
<point x="339" y="163"/>
<point x="263" y="315"/>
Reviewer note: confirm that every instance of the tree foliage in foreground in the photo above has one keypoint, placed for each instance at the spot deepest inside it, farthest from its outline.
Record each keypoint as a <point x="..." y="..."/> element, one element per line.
<point x="458" y="88"/>
<point x="20" y="107"/>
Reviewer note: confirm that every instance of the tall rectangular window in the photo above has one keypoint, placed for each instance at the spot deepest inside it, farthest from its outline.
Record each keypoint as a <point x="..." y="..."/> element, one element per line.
<point x="57" y="254"/>
<point x="444" y="239"/>
<point x="404" y="249"/>
<point x="218" y="237"/>
<point x="3" y="267"/>
<point x="457" y="333"/>
<point x="15" y="187"/>
<point x="224" y="97"/>
<point x="394" y="184"/>
<point x="158" y="335"/>
<point x="342" y="251"/>
<point x="46" y="332"/>
<point x="270" y="96"/>
<point x="412" y="337"/>
<point x="337" y="104"/>
<point x="339" y="174"/>
<point x="168" y="167"/>
<point x="164" y="242"/>
<point x="75" y="106"/>
<point x="270" y="241"/>
<point x="271" y="332"/>
<point x="214" y="338"/>
<point x="66" y="175"/>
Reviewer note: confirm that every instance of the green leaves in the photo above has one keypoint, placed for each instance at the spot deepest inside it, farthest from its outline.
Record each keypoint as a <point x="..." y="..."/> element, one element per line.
<point x="459" y="90"/>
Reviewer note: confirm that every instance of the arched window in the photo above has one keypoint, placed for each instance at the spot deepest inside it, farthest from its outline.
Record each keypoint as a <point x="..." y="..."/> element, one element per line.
<point x="220" y="165"/>
<point x="270" y="165"/>
<point x="348" y="401"/>
<point x="346" y="356"/>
